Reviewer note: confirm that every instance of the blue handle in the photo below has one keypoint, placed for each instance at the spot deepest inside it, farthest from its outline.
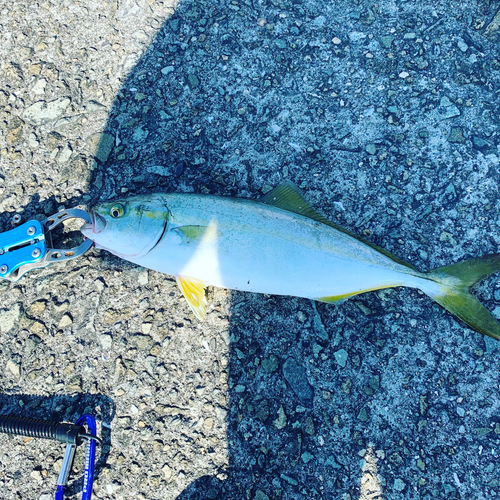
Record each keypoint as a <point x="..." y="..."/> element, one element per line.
<point x="20" y="246"/>
<point x="59" y="492"/>
<point x="88" y="476"/>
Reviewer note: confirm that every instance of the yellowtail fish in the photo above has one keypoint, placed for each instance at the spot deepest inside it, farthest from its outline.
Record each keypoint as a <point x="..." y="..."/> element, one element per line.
<point x="278" y="245"/>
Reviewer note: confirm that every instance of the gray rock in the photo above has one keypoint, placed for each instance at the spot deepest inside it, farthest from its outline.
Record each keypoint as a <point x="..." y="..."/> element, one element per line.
<point x="341" y="357"/>
<point x="332" y="462"/>
<point x="142" y="342"/>
<point x="371" y="149"/>
<point x="447" y="109"/>
<point x="480" y="144"/>
<point x="105" y="146"/>
<point x="193" y="80"/>
<point x="363" y="415"/>
<point x="42" y="112"/>
<point x="260" y="495"/>
<point x="456" y="135"/>
<point x="347" y="385"/>
<point x="14" y="131"/>
<point x="31" y="343"/>
<point x="94" y="106"/>
<point x="309" y="426"/>
<point x="399" y="484"/>
<point x="14" y="367"/>
<point x="296" y="376"/>
<point x="280" y="422"/>
<point x="9" y="317"/>
<point x="270" y="365"/>
<point x="289" y="480"/>
<point x="261" y="409"/>
<point x="492" y="31"/>
<point x="373" y="385"/>
<point x="386" y="41"/>
<point x="396" y="459"/>
<point x="462" y="45"/>
<point x="106" y="340"/>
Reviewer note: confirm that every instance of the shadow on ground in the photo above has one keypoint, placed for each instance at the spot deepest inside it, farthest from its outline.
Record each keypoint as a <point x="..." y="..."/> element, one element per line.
<point x="232" y="98"/>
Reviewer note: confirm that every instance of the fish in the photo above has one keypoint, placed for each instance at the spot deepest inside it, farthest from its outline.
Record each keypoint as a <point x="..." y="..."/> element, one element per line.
<point x="276" y="245"/>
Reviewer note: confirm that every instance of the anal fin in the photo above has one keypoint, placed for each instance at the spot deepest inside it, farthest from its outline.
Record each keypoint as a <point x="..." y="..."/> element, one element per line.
<point x="194" y="292"/>
<point x="337" y="299"/>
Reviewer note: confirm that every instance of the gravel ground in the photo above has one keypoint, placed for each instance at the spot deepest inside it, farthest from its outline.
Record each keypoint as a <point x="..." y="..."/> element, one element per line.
<point x="386" y="114"/>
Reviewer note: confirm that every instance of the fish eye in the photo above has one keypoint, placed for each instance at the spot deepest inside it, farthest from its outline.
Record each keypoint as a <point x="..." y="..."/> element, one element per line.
<point x="116" y="211"/>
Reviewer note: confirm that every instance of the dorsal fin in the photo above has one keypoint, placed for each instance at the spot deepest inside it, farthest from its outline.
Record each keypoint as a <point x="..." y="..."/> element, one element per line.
<point x="288" y="196"/>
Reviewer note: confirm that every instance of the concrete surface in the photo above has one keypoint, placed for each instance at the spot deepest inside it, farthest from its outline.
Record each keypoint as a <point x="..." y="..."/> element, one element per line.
<point x="386" y="114"/>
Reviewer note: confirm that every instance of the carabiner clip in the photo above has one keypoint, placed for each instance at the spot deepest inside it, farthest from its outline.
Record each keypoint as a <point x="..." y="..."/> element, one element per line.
<point x="29" y="246"/>
<point x="88" y="476"/>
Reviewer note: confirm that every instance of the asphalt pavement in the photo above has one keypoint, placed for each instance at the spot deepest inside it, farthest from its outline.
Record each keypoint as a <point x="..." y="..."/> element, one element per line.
<point x="385" y="114"/>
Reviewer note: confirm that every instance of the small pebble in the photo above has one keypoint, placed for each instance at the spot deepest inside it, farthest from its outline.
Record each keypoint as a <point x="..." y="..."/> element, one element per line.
<point x="399" y="484"/>
<point x="462" y="45"/>
<point x="341" y="357"/>
<point x="14" y="368"/>
<point x="106" y="340"/>
<point x="66" y="321"/>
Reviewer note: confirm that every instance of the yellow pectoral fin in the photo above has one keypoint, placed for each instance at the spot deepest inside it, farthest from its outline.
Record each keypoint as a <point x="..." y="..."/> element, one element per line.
<point x="196" y="234"/>
<point x="194" y="292"/>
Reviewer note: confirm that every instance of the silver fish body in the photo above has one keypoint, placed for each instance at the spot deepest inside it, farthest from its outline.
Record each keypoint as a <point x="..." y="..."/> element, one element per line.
<point x="247" y="245"/>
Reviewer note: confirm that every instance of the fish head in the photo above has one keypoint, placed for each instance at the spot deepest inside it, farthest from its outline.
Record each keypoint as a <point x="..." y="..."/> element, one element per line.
<point x="128" y="227"/>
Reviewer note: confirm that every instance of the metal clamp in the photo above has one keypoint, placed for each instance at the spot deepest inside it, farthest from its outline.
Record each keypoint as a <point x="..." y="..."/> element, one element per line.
<point x="29" y="246"/>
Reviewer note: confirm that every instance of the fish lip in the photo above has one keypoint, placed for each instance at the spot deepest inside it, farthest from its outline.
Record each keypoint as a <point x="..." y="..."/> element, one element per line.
<point x="97" y="224"/>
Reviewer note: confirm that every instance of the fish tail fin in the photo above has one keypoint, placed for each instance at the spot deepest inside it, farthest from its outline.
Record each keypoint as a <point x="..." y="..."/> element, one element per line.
<point x="454" y="293"/>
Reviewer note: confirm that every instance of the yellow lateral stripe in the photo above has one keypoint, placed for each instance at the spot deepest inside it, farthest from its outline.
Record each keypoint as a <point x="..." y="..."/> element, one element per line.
<point x="337" y="298"/>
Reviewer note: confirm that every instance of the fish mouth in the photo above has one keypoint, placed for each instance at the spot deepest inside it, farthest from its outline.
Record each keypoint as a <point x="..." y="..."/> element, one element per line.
<point x="97" y="224"/>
